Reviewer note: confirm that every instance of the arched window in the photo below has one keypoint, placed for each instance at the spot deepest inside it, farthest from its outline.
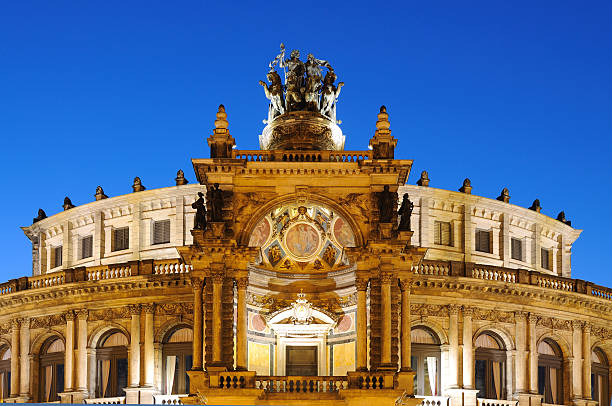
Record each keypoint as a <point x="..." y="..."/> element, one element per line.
<point x="600" y="380"/>
<point x="550" y="372"/>
<point x="425" y="360"/>
<point x="51" y="374"/>
<point x="489" y="369"/>
<point x="177" y="356"/>
<point x="112" y="365"/>
<point x="5" y="372"/>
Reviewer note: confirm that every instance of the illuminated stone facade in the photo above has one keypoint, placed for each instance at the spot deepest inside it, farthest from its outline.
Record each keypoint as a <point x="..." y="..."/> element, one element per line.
<point x="301" y="293"/>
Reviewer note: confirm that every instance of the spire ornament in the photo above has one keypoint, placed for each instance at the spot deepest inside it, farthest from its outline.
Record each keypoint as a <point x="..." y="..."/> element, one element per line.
<point x="221" y="142"/>
<point x="383" y="143"/>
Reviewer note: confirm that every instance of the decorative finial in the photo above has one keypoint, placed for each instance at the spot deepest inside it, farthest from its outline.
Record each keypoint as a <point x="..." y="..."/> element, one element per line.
<point x="424" y="179"/>
<point x="180" y="178"/>
<point x="67" y="204"/>
<point x="504" y="196"/>
<point x="467" y="186"/>
<point x="221" y="121"/>
<point x="383" y="120"/>
<point x="138" y="186"/>
<point x="41" y="215"/>
<point x="100" y="194"/>
<point x="535" y="206"/>
<point x="561" y="218"/>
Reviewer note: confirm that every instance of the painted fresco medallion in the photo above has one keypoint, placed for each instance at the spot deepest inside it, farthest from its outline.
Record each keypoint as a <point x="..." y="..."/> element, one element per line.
<point x="302" y="240"/>
<point x="261" y="234"/>
<point x="343" y="233"/>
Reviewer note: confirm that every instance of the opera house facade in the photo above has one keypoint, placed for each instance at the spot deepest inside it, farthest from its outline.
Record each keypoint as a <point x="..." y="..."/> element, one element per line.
<point x="303" y="273"/>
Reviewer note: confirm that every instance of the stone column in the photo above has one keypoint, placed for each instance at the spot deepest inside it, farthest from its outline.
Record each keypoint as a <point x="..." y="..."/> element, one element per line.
<point x="149" y="360"/>
<point x="586" y="366"/>
<point x="533" y="354"/>
<point x="385" y="297"/>
<point x="82" y="350"/>
<point x="69" y="353"/>
<point x="15" y="327"/>
<point x="521" y="344"/>
<point x="468" y="349"/>
<point x="362" y="329"/>
<point x="241" y="327"/>
<point x="217" y="322"/>
<point x="577" y="362"/>
<point x="453" y="351"/>
<point x="134" y="369"/>
<point x="197" y="285"/>
<point x="406" y="342"/>
<point x="24" y="342"/>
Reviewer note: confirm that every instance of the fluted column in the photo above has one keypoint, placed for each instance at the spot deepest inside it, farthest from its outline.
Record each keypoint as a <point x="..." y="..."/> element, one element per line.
<point x="24" y="368"/>
<point x="197" y="285"/>
<point x="521" y="345"/>
<point x="69" y="352"/>
<point x="577" y="361"/>
<point x="586" y="366"/>
<point x="82" y="350"/>
<point x="149" y="351"/>
<point x="453" y="350"/>
<point x="406" y="339"/>
<point x="241" y="327"/>
<point x="533" y="354"/>
<point x="362" y="329"/>
<point x="385" y="296"/>
<point x="15" y="327"/>
<point x="134" y="370"/>
<point x="468" y="349"/>
<point x="217" y="322"/>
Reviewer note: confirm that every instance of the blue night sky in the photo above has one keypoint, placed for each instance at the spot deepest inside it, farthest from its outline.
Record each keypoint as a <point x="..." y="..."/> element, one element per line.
<point x="510" y="94"/>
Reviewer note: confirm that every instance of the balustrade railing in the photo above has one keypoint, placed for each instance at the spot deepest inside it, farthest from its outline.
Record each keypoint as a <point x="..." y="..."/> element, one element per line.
<point x="496" y="402"/>
<point x="8" y="287"/>
<point x="554" y="282"/>
<point x="170" y="268"/>
<point x="168" y="399"/>
<point x="305" y="384"/>
<point x="110" y="272"/>
<point x="494" y="274"/>
<point x="50" y="279"/>
<point x="302" y="156"/>
<point x="432" y="268"/>
<point x="433" y="400"/>
<point x="120" y="400"/>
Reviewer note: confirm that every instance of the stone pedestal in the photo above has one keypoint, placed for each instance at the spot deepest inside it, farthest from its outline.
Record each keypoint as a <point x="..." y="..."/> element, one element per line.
<point x="405" y="381"/>
<point x="143" y="396"/>
<point x="462" y="397"/>
<point x="529" y="399"/>
<point x="217" y="229"/>
<point x="385" y="230"/>
<point x="73" y="397"/>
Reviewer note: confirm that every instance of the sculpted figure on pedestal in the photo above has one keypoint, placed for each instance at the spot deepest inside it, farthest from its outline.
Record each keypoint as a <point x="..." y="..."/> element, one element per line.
<point x="274" y="93"/>
<point x="329" y="95"/>
<point x="294" y="80"/>
<point x="41" y="215"/>
<point x="200" y="217"/>
<point x="405" y="211"/>
<point x="216" y="203"/>
<point x="386" y="202"/>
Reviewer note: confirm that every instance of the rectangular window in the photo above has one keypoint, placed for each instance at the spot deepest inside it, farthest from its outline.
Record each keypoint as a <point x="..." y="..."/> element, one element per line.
<point x="87" y="247"/>
<point x="546" y="259"/>
<point x="161" y="232"/>
<point x="57" y="256"/>
<point x="483" y="241"/>
<point x="517" y="249"/>
<point x="442" y="233"/>
<point x="121" y="239"/>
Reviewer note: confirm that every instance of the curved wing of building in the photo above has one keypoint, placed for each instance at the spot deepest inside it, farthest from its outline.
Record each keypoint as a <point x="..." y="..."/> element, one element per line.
<point x="302" y="273"/>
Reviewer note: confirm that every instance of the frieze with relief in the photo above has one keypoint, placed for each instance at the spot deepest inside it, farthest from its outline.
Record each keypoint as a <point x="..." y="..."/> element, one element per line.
<point x="305" y="237"/>
<point x="47" y="321"/>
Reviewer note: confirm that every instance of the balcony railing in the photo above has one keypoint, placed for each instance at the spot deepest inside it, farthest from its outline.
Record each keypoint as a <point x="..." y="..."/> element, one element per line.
<point x="168" y="399"/>
<point x="120" y="400"/>
<point x="304" y="384"/>
<point x="301" y="156"/>
<point x="496" y="402"/>
<point x="433" y="400"/>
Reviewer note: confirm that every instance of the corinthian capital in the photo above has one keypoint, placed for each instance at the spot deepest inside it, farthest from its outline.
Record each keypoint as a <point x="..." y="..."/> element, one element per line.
<point x="16" y="324"/>
<point x="519" y="314"/>
<point x="82" y="314"/>
<point x="362" y="283"/>
<point x="197" y="283"/>
<point x="577" y="324"/>
<point x="217" y="277"/>
<point x="468" y="311"/>
<point x="242" y="283"/>
<point x="405" y="285"/>
<point x="533" y="318"/>
<point x="134" y="309"/>
<point x="453" y="309"/>
<point x="69" y="315"/>
<point x="386" y="278"/>
<point x="149" y="308"/>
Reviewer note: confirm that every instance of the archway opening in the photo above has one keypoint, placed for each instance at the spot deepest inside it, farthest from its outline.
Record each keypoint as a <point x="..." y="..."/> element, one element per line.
<point x="51" y="373"/>
<point x="550" y="372"/>
<point x="177" y="355"/>
<point x="112" y="365"/>
<point x="600" y="377"/>
<point x="490" y="366"/>
<point x="5" y="372"/>
<point x="425" y="360"/>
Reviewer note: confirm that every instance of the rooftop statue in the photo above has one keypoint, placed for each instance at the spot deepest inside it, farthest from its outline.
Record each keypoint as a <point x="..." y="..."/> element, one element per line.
<point x="304" y="88"/>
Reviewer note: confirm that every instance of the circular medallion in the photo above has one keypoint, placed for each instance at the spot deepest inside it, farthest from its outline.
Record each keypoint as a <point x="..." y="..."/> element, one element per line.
<point x="343" y="233"/>
<point x="258" y="323"/>
<point x="302" y="240"/>
<point x="260" y="234"/>
<point x="345" y="323"/>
